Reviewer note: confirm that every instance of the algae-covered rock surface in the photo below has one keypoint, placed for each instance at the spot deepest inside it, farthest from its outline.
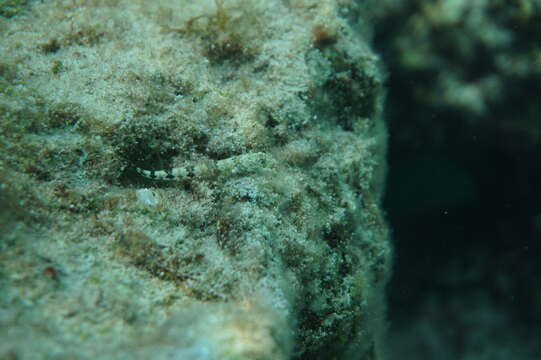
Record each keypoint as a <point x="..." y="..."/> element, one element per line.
<point x="191" y="180"/>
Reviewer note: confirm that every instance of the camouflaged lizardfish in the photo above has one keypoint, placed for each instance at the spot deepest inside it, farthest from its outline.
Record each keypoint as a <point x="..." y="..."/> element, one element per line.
<point x="234" y="166"/>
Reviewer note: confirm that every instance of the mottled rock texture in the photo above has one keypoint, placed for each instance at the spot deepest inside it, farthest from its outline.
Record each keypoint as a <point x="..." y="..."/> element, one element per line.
<point x="271" y="246"/>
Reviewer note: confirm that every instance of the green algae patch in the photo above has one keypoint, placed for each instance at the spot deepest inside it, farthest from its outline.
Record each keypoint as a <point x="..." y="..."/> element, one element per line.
<point x="10" y="8"/>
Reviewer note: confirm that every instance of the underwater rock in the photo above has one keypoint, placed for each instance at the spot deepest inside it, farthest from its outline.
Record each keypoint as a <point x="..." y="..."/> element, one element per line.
<point x="256" y="124"/>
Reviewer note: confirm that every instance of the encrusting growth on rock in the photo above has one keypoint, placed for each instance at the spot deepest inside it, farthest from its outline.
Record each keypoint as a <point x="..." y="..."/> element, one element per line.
<point x="268" y="243"/>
